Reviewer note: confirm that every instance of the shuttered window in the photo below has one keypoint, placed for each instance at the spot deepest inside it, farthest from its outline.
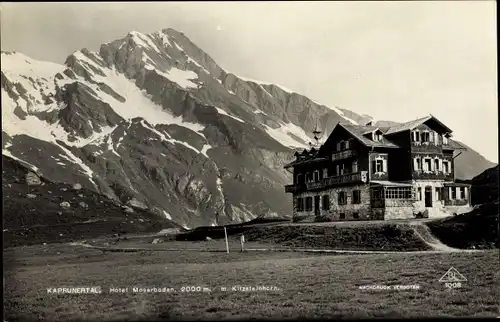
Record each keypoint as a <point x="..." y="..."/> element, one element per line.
<point x="326" y="202"/>
<point x="356" y="196"/>
<point x="300" y="204"/>
<point x="309" y="203"/>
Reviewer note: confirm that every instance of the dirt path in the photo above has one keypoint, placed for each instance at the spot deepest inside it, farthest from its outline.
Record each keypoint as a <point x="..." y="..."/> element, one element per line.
<point x="281" y="249"/>
<point x="424" y="233"/>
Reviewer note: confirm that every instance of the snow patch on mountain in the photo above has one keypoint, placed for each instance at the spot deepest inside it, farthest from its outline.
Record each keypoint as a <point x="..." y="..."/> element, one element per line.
<point x="221" y="111"/>
<point x="170" y="140"/>
<point x="9" y="154"/>
<point x="143" y="41"/>
<point x="265" y="83"/>
<point x="167" y="215"/>
<point x="180" y="77"/>
<point x="282" y="135"/>
<point x="205" y="149"/>
<point x="16" y="63"/>
<point x="135" y="98"/>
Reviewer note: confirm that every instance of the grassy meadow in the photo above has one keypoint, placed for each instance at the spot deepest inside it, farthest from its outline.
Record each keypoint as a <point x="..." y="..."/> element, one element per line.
<point x="306" y="285"/>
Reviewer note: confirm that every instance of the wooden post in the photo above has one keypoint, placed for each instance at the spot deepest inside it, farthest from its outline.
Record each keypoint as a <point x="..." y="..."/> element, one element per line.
<point x="227" y="244"/>
<point x="242" y="239"/>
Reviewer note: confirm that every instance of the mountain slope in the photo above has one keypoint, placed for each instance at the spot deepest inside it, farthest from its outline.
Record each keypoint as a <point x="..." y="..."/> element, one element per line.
<point x="153" y="120"/>
<point x="37" y="210"/>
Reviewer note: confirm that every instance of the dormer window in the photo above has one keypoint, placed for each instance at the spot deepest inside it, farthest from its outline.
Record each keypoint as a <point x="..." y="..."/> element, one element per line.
<point x="377" y="136"/>
<point x="445" y="139"/>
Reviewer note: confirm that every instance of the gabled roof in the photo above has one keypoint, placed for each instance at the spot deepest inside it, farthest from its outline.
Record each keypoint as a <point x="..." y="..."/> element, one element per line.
<point x="358" y="132"/>
<point x="305" y="158"/>
<point x="370" y="129"/>
<point x="413" y="124"/>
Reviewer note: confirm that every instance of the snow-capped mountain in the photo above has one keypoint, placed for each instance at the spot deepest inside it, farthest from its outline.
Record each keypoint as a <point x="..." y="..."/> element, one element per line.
<point x="154" y="121"/>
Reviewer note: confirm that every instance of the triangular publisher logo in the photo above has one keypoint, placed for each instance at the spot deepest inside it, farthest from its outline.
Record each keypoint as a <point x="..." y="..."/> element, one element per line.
<point x="452" y="275"/>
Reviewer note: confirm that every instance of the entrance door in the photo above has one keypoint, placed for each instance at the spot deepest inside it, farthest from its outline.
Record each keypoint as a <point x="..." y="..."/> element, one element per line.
<point x="316" y="205"/>
<point x="428" y="196"/>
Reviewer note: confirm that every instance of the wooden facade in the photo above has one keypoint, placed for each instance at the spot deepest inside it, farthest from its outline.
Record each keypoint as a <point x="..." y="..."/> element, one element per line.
<point x="368" y="172"/>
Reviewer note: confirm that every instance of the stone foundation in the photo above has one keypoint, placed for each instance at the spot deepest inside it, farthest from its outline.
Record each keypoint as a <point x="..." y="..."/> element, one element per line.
<point x="334" y="213"/>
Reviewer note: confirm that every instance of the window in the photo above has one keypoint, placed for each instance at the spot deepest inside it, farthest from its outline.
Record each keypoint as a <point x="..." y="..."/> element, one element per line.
<point x="399" y="193"/>
<point x="376" y="194"/>
<point x="326" y="202"/>
<point x="309" y="203"/>
<point x="378" y="166"/>
<point x="325" y="173"/>
<point x="417" y="164"/>
<point x="337" y="168"/>
<point x="419" y="193"/>
<point x="300" y="204"/>
<point x="425" y="136"/>
<point x="356" y="196"/>
<point x="342" y="215"/>
<point x="300" y="178"/>
<point x="355" y="215"/>
<point x="446" y="167"/>
<point x="462" y="192"/>
<point x="376" y="136"/>
<point x="436" y="165"/>
<point x="453" y="194"/>
<point x="445" y="139"/>
<point x="342" y="169"/>
<point x="342" y="200"/>
<point x="354" y="166"/>
<point x="427" y="164"/>
<point x="438" y="194"/>
<point x="316" y="176"/>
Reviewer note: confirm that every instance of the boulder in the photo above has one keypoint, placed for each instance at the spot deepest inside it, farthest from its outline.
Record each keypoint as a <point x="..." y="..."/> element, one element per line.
<point x="136" y="203"/>
<point x="65" y="204"/>
<point x="127" y="209"/>
<point x="77" y="186"/>
<point x="32" y="179"/>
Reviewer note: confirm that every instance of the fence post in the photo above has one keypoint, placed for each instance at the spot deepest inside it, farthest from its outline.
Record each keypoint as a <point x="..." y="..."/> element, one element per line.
<point x="227" y="244"/>
<point x="242" y="239"/>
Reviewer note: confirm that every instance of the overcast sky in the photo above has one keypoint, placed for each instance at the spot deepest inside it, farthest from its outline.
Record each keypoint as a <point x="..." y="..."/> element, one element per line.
<point x="391" y="60"/>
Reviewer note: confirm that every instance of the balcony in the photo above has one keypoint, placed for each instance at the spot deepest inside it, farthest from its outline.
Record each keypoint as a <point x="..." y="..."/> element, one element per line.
<point x="334" y="181"/>
<point x="328" y="182"/>
<point x="293" y="188"/>
<point x="432" y="175"/>
<point x="343" y="155"/>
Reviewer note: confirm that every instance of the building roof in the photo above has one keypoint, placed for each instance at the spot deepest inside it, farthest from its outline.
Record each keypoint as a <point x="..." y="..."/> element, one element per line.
<point x="413" y="124"/>
<point x="454" y="145"/>
<point x="358" y="132"/>
<point x="304" y="161"/>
